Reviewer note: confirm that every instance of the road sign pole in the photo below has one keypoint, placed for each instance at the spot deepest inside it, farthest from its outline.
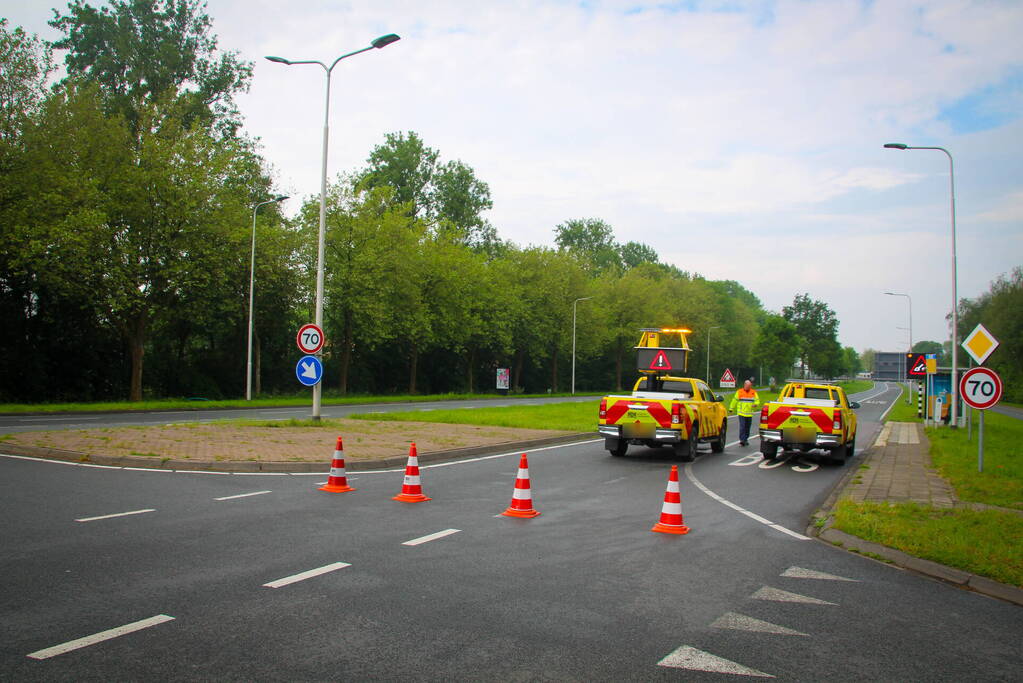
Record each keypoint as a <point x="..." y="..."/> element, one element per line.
<point x="980" y="444"/>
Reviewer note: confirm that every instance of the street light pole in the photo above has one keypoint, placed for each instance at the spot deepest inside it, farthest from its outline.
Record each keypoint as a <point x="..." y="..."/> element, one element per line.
<point x="954" y="422"/>
<point x="379" y="43"/>
<point x="252" y="289"/>
<point x="713" y="327"/>
<point x="585" y="298"/>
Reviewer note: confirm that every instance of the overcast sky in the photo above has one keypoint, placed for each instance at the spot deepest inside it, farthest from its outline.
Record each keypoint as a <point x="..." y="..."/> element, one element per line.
<point x="740" y="139"/>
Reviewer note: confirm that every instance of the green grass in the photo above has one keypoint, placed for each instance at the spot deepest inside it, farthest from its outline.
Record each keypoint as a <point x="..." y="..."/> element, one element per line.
<point x="980" y="542"/>
<point x="1001" y="482"/>
<point x="305" y="399"/>
<point x="571" y="417"/>
<point x="902" y="411"/>
<point x="856" y="386"/>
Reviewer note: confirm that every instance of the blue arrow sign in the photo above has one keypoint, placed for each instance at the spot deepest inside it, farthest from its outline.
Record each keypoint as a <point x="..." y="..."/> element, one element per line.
<point x="309" y="370"/>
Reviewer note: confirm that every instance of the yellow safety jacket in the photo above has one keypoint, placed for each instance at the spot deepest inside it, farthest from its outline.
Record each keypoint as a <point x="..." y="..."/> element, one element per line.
<point x="744" y="402"/>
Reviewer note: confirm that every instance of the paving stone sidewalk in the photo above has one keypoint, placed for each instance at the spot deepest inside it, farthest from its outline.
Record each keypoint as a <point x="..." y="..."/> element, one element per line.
<point x="898" y="469"/>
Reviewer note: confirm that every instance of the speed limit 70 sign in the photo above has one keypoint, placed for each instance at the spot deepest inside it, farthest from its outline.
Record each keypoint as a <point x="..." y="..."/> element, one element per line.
<point x="309" y="339"/>
<point x="981" y="388"/>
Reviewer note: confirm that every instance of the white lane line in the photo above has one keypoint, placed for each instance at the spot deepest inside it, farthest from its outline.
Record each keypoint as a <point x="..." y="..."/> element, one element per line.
<point x="99" y="637"/>
<point x="243" y="495"/>
<point x="119" y="514"/>
<point x="144" y="469"/>
<point x="295" y="578"/>
<point x="431" y="537"/>
<point x="55" y="419"/>
<point x="751" y="515"/>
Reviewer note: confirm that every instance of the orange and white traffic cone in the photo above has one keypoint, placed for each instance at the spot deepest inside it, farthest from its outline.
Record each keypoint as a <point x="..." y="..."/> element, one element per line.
<point x="337" y="482"/>
<point x="412" y="489"/>
<point x="671" y="512"/>
<point x="522" y="496"/>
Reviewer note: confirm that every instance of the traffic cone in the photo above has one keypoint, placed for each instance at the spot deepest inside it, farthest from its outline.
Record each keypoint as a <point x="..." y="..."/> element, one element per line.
<point x="671" y="512"/>
<point x="412" y="490"/>
<point x="337" y="482"/>
<point x="522" y="496"/>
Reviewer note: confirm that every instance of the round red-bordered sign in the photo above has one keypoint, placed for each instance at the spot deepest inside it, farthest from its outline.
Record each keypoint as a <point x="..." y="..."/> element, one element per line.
<point x="309" y="339"/>
<point x="980" y="388"/>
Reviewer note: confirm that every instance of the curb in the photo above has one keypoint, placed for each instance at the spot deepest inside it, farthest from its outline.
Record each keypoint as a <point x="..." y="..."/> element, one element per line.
<point x="934" y="570"/>
<point x="168" y="464"/>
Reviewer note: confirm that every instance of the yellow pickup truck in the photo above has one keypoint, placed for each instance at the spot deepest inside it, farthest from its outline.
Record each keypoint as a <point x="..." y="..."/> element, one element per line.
<point x="806" y="416"/>
<point x="677" y="411"/>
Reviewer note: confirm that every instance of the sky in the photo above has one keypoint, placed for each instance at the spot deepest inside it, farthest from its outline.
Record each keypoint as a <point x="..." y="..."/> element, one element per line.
<point x="742" y="140"/>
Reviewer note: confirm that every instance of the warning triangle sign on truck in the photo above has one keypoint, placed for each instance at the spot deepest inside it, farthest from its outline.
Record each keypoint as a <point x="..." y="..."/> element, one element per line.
<point x="660" y="362"/>
<point x="727" y="380"/>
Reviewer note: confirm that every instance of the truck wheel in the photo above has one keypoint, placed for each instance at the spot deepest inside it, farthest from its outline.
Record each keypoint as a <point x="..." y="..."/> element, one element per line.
<point x="769" y="450"/>
<point x="851" y="447"/>
<point x="686" y="450"/>
<point x="617" y="447"/>
<point x="718" y="444"/>
<point x="840" y="454"/>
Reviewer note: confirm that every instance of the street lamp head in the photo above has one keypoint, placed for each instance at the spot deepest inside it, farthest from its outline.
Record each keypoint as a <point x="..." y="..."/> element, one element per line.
<point x="279" y="60"/>
<point x="281" y="198"/>
<point x="384" y="41"/>
<point x="896" y="145"/>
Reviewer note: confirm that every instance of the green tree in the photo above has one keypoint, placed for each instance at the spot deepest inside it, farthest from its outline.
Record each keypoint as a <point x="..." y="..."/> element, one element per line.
<point x="146" y="51"/>
<point x="25" y="63"/>
<point x="590" y="240"/>
<point x="937" y="348"/>
<point x="405" y="164"/>
<point x="867" y="359"/>
<point x="817" y="326"/>
<point x="636" y="253"/>
<point x="777" y="346"/>
<point x="1000" y="309"/>
<point x="852" y="361"/>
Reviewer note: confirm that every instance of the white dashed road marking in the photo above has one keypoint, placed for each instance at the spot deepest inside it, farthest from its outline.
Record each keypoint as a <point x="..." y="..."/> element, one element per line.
<point x="295" y="578"/>
<point x="740" y="622"/>
<point x="690" y="658"/>
<point x="119" y="514"/>
<point x="776" y="595"/>
<point x="99" y="637"/>
<point x="431" y="537"/>
<point x="243" y="495"/>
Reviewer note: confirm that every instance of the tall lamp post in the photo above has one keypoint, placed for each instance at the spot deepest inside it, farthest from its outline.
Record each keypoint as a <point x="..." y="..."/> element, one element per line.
<point x="585" y="298"/>
<point x="379" y="43"/>
<point x="713" y="327"/>
<point x="252" y="289"/>
<point x="954" y="422"/>
<point x="905" y="377"/>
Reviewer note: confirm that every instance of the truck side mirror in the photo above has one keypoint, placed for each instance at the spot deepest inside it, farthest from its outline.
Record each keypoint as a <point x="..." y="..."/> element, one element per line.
<point x="854" y="405"/>
<point x="719" y="398"/>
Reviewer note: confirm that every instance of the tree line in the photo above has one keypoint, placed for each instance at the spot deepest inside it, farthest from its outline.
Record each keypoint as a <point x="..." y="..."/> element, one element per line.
<point x="126" y="205"/>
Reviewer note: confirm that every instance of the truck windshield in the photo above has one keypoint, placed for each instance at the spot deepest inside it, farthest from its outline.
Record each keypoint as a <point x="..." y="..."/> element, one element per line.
<point x="667" y="386"/>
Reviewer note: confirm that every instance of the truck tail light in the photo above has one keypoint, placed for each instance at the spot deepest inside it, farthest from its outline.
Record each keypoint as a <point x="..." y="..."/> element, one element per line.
<point x="676" y="413"/>
<point x="837" y="427"/>
<point x="603" y="408"/>
<point x="763" y="414"/>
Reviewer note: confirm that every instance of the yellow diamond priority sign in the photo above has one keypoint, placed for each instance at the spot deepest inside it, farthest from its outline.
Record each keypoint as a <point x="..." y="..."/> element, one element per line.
<point x="980" y="344"/>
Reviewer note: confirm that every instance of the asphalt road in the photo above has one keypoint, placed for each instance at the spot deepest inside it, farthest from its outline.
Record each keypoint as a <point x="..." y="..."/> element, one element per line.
<point x="214" y="577"/>
<point x="35" y="422"/>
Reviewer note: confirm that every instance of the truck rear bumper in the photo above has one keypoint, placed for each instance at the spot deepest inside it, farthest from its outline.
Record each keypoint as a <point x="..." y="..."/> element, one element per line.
<point x="663" y="435"/>
<point x="780" y="437"/>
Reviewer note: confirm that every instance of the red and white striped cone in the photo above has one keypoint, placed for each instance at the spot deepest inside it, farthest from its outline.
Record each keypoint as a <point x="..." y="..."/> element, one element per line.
<point x="337" y="482"/>
<point x="522" y="496"/>
<point x="671" y="512"/>
<point x="412" y="489"/>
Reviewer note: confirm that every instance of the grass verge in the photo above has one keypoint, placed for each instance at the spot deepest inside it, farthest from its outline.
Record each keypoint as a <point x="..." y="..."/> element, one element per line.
<point x="203" y="404"/>
<point x="955" y="456"/>
<point x="572" y="417"/>
<point x="983" y="542"/>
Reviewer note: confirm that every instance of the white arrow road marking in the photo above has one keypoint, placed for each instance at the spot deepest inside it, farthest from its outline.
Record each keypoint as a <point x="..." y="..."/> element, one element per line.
<point x="243" y="495"/>
<point x="740" y="622"/>
<point x="768" y="593"/>
<point x="119" y="514"/>
<point x="306" y="575"/>
<point x="431" y="537"/>
<point x="687" y="657"/>
<point x="99" y="637"/>
<point x="800" y="573"/>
